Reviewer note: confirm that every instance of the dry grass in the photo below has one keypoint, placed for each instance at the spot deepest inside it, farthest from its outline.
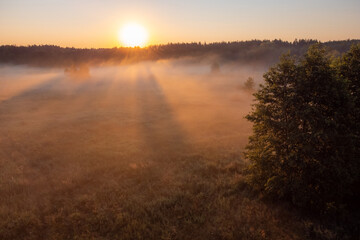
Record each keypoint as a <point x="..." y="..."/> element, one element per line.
<point x="144" y="155"/>
<point x="195" y="198"/>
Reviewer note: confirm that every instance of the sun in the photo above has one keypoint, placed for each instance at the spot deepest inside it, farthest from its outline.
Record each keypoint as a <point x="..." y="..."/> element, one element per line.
<point x="133" y="35"/>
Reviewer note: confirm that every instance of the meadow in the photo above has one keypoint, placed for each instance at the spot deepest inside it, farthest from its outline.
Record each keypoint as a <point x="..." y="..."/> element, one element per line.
<point x="152" y="150"/>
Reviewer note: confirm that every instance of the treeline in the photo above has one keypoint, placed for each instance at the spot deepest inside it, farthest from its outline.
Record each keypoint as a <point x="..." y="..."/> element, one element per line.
<point x="245" y="51"/>
<point x="305" y="146"/>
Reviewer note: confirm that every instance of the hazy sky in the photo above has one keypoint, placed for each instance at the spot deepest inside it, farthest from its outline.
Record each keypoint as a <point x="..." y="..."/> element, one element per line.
<point x="96" y="23"/>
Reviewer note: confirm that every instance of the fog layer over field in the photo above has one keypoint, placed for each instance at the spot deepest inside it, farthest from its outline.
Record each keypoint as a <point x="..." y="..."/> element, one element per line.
<point x="80" y="146"/>
<point x="127" y="110"/>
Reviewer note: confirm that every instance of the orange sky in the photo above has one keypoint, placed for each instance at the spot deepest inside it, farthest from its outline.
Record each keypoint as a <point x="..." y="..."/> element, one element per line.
<point x="95" y="23"/>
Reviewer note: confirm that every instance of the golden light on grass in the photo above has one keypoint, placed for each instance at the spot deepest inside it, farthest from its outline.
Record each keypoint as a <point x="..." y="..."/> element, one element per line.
<point x="133" y="35"/>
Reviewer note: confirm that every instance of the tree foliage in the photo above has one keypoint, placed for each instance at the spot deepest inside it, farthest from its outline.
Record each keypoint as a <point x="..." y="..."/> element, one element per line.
<point x="304" y="146"/>
<point x="249" y="84"/>
<point x="254" y="51"/>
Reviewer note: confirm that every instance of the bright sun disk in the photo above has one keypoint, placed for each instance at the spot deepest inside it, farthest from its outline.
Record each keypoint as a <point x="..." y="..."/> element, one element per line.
<point x="133" y="35"/>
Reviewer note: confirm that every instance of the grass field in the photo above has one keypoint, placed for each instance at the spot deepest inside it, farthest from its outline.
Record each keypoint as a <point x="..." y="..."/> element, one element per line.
<point x="146" y="151"/>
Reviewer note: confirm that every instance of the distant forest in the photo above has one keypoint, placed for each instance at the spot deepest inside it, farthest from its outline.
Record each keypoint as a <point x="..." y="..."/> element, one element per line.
<point x="254" y="51"/>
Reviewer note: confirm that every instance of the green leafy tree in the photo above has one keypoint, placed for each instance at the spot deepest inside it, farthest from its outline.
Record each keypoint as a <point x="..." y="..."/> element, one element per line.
<point x="302" y="144"/>
<point x="349" y="70"/>
<point x="269" y="148"/>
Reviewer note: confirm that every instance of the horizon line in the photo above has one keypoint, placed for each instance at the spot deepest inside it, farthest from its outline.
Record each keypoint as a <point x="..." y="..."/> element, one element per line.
<point x="182" y="43"/>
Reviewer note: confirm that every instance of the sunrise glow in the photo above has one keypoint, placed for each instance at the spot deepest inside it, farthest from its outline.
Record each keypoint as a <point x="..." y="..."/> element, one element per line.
<point x="133" y="35"/>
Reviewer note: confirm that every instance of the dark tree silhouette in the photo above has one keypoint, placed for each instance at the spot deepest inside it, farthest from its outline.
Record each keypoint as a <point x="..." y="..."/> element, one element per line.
<point x="304" y="147"/>
<point x="254" y="51"/>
